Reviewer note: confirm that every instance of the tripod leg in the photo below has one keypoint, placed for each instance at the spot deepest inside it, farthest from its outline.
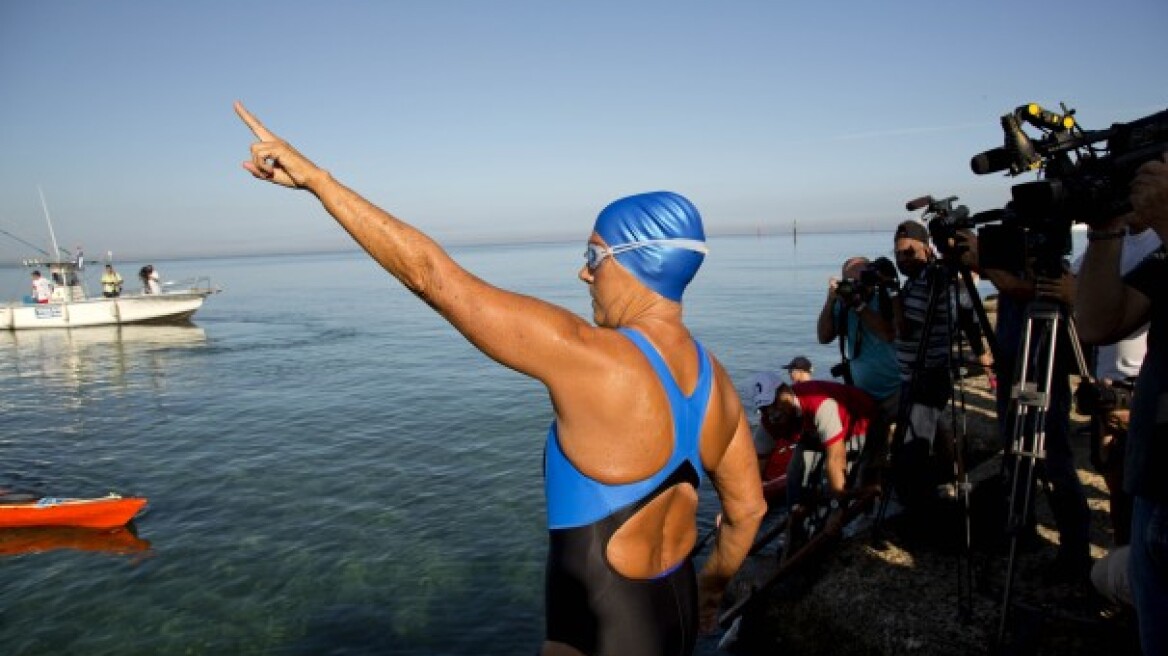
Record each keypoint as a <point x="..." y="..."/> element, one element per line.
<point x="1030" y="400"/>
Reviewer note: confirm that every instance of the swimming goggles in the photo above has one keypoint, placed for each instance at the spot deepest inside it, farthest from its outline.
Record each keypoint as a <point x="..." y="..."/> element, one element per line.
<point x="594" y="254"/>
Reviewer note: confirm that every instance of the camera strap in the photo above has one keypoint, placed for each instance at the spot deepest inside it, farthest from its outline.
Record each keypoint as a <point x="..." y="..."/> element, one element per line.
<point x="841" y="324"/>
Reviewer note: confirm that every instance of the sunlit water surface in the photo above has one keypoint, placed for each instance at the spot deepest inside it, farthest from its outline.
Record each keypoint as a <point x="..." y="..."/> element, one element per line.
<point x="331" y="468"/>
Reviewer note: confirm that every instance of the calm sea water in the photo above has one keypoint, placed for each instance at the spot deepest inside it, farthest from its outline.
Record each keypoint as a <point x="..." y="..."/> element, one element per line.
<point x="331" y="468"/>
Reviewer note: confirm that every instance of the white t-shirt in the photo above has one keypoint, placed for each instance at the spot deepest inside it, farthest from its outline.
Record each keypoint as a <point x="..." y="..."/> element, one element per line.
<point x="41" y="289"/>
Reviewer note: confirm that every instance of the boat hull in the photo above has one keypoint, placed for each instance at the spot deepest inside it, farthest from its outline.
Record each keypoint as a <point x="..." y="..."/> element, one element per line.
<point x="107" y="512"/>
<point x="39" y="539"/>
<point x="146" y="308"/>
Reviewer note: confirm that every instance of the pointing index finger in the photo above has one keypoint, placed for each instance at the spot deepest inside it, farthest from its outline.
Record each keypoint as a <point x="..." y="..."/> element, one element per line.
<point x="252" y="122"/>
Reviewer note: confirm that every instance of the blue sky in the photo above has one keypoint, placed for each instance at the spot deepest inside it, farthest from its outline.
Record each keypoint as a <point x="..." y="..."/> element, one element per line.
<point x="507" y="120"/>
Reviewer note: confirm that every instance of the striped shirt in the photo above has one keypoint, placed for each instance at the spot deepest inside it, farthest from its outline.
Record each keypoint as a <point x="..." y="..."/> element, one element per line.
<point x="915" y="299"/>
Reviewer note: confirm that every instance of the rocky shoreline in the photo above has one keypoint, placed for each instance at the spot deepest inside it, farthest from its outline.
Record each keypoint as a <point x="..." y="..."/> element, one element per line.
<point x="901" y="596"/>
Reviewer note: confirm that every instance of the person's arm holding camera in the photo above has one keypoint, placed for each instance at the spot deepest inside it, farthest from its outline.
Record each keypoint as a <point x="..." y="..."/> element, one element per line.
<point x="1009" y="284"/>
<point x="825" y="328"/>
<point x="1109" y="309"/>
<point x="1061" y="289"/>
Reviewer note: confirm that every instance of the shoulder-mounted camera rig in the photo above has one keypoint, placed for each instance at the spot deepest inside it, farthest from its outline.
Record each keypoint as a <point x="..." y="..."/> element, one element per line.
<point x="1085" y="173"/>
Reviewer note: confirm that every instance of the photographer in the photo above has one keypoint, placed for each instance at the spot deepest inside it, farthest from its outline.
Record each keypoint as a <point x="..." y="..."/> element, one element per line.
<point x="1044" y="277"/>
<point x="1111" y="306"/>
<point x="858" y="311"/>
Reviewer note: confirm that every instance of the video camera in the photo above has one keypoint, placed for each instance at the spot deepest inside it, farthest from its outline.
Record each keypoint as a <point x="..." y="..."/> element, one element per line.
<point x="1085" y="179"/>
<point x="1019" y="242"/>
<point x="944" y="219"/>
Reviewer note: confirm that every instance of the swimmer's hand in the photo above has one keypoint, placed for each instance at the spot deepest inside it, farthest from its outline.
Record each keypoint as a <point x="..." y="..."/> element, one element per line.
<point x="274" y="160"/>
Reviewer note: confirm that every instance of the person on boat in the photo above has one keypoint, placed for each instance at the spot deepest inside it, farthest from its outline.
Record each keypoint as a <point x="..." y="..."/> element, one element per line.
<point x="42" y="289"/>
<point x="799" y="369"/>
<point x="149" y="277"/>
<point x="111" y="282"/>
<point x="644" y="415"/>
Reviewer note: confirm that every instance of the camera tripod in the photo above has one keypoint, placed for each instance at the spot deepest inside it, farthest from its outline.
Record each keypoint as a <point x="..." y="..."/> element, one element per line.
<point x="947" y="278"/>
<point x="1030" y="398"/>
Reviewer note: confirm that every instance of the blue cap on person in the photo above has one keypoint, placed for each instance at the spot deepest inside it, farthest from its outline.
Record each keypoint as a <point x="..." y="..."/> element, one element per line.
<point x="662" y="236"/>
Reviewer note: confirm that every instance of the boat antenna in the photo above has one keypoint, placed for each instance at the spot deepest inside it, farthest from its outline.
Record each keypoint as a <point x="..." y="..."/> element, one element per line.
<point x="26" y="243"/>
<point x="56" y="248"/>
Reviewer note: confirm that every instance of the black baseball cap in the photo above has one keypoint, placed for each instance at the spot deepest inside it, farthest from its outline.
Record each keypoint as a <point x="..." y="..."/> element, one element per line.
<point x="912" y="230"/>
<point x="799" y="362"/>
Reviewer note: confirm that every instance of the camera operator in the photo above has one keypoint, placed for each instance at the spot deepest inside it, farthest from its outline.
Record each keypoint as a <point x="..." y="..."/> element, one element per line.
<point x="1111" y="306"/>
<point x="924" y="459"/>
<point x="1106" y="398"/>
<point x="858" y="311"/>
<point x="1047" y="277"/>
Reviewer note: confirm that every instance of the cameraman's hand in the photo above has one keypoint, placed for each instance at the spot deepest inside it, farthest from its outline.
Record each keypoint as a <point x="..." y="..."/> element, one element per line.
<point x="832" y="284"/>
<point x="1062" y="288"/>
<point x="1149" y="192"/>
<point x="967" y="245"/>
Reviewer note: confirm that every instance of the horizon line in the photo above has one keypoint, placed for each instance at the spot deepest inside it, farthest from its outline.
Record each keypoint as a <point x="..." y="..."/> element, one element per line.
<point x="760" y="231"/>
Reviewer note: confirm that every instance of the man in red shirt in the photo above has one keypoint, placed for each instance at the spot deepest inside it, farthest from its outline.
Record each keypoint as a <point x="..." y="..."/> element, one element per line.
<point x="830" y="421"/>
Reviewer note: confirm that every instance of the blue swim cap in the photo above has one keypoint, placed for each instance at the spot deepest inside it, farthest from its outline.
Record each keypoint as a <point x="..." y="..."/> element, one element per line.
<point x="654" y="219"/>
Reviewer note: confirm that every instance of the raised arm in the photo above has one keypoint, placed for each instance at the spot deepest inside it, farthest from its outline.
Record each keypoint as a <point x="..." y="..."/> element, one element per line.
<point x="825" y="328"/>
<point x="1109" y="310"/>
<point x="523" y="333"/>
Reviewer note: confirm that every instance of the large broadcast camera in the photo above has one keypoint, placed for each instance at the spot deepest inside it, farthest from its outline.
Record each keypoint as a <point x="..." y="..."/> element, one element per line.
<point x="1086" y="173"/>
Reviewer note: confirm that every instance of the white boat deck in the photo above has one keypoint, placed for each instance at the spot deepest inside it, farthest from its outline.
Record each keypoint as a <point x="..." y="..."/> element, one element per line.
<point x="70" y="306"/>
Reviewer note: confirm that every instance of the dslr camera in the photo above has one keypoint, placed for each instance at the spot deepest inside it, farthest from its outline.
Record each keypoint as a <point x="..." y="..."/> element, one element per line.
<point x="875" y="276"/>
<point x="1086" y="173"/>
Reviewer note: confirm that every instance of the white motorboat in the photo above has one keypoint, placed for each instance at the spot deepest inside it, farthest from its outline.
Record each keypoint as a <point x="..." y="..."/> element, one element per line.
<point x="71" y="307"/>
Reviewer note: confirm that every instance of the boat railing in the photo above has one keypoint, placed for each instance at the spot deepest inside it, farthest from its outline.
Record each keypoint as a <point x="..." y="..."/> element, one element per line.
<point x="195" y="285"/>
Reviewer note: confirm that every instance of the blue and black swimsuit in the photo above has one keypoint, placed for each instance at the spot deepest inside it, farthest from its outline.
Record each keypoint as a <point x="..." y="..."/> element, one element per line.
<point x="591" y="606"/>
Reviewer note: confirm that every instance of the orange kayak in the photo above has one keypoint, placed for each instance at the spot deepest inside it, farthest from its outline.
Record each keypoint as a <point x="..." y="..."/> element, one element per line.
<point x="106" y="512"/>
